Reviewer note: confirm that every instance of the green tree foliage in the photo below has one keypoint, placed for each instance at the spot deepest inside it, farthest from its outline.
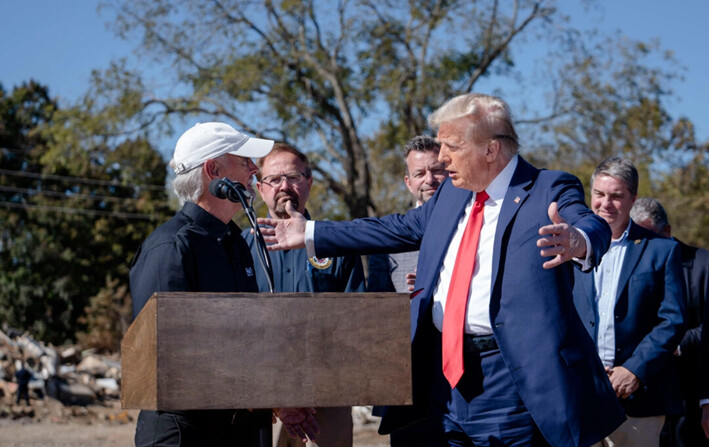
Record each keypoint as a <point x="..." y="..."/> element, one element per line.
<point x="74" y="210"/>
<point x="345" y="81"/>
<point x="611" y="102"/>
<point x="107" y="317"/>
<point x="683" y="189"/>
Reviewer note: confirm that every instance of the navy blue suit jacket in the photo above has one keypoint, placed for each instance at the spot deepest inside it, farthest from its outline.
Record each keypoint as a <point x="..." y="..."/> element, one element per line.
<point x="704" y="357"/>
<point x="550" y="356"/>
<point x="649" y="319"/>
<point x="695" y="265"/>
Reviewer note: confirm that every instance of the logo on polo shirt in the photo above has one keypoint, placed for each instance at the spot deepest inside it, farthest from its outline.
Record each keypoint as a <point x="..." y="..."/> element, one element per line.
<point x="249" y="271"/>
<point x="320" y="263"/>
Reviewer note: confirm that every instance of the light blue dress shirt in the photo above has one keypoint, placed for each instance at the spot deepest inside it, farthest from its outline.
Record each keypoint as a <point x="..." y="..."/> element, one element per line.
<point x="606" y="277"/>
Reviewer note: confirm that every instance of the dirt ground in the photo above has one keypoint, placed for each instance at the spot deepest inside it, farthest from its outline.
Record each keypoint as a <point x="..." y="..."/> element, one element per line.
<point x="50" y="424"/>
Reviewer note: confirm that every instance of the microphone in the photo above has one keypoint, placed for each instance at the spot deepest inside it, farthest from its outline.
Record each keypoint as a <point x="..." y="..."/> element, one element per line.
<point x="223" y="188"/>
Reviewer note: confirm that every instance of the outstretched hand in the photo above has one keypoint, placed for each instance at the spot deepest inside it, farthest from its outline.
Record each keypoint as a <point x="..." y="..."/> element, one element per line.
<point x="284" y="234"/>
<point x="561" y="240"/>
<point x="298" y="422"/>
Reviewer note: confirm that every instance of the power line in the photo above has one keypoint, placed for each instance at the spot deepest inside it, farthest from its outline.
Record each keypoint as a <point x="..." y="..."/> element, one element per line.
<point x="79" y="211"/>
<point x="76" y="179"/>
<point x="62" y="195"/>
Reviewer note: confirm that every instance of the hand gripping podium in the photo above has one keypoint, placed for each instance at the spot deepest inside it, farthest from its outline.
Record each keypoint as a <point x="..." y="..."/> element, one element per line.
<point x="191" y="351"/>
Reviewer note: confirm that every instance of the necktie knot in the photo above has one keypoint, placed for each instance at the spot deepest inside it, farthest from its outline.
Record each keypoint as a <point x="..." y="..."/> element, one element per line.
<point x="481" y="197"/>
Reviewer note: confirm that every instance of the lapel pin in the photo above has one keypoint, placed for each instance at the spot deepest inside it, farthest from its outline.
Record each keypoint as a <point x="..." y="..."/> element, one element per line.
<point x="517" y="199"/>
<point x="637" y="241"/>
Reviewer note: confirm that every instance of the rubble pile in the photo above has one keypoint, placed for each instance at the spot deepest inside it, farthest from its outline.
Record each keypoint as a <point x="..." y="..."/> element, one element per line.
<point x="70" y="384"/>
<point x="66" y="382"/>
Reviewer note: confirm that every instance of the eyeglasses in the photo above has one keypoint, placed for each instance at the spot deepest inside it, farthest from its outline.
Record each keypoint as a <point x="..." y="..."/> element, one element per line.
<point x="292" y="178"/>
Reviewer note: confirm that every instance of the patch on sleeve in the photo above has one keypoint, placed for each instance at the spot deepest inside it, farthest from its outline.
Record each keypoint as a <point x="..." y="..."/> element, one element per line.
<point x="320" y="263"/>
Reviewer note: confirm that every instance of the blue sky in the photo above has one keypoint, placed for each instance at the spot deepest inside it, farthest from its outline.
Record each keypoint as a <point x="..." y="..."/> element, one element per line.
<point x="59" y="43"/>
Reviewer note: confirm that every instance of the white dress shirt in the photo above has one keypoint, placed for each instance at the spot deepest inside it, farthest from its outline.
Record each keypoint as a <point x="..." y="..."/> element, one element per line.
<point x="477" y="319"/>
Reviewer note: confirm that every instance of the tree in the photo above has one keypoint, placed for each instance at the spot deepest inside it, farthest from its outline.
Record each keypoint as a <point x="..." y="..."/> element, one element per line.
<point x="75" y="209"/>
<point x="683" y="189"/>
<point x="343" y="80"/>
<point x="610" y="101"/>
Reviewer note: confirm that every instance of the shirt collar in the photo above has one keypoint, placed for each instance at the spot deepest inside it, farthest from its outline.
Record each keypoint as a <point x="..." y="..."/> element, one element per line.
<point x="498" y="187"/>
<point x="208" y="221"/>
<point x="623" y="237"/>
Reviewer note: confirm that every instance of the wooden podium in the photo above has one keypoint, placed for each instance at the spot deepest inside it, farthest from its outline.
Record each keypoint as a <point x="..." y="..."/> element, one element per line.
<point x="190" y="351"/>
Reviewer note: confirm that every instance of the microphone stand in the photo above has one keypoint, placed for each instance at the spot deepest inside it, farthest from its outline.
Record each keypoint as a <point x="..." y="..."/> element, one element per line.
<point x="234" y="193"/>
<point x="264" y="258"/>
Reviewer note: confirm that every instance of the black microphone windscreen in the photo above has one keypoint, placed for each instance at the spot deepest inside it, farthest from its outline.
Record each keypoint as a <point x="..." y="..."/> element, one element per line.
<point x="243" y="189"/>
<point x="216" y="187"/>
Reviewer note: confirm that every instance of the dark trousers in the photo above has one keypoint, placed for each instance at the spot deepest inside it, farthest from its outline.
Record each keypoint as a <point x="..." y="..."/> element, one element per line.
<point x="415" y="435"/>
<point x="484" y="409"/>
<point x="217" y="428"/>
<point x="23" y="391"/>
<point x="685" y="430"/>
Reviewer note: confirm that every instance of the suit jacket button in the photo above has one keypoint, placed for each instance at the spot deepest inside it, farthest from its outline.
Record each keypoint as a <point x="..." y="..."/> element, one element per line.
<point x="591" y="323"/>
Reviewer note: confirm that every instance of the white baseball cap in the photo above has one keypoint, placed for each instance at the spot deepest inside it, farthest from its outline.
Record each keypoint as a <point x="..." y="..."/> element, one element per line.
<point x="204" y="141"/>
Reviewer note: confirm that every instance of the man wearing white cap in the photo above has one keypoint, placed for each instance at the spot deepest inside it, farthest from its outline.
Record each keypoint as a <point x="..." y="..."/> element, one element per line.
<point x="201" y="250"/>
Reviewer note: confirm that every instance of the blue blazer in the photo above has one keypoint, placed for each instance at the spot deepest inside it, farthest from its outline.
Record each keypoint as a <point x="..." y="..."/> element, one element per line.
<point x="549" y="354"/>
<point x="649" y="319"/>
<point x="704" y="357"/>
<point x="695" y="265"/>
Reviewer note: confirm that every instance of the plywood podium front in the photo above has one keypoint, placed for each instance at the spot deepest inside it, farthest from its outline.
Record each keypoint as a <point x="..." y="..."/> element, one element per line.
<point x="191" y="351"/>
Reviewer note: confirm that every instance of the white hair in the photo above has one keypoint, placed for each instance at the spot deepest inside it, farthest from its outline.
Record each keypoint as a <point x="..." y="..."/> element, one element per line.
<point x="491" y="117"/>
<point x="188" y="186"/>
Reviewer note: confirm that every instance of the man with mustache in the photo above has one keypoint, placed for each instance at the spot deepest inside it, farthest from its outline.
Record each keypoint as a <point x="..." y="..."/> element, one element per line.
<point x="285" y="176"/>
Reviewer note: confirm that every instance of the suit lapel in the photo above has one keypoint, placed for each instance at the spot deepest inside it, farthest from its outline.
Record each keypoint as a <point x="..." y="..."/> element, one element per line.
<point x="633" y="253"/>
<point x="451" y="203"/>
<point x="516" y="195"/>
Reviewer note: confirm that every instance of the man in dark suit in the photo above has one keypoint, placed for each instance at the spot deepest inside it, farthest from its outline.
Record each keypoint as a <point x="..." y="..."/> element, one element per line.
<point x="633" y="306"/>
<point x="704" y="373"/>
<point x="530" y="375"/>
<point x="424" y="174"/>
<point x="396" y="272"/>
<point x="683" y="430"/>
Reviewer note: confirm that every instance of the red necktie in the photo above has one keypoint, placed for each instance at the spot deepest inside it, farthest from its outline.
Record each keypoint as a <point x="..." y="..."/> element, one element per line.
<point x="454" y="315"/>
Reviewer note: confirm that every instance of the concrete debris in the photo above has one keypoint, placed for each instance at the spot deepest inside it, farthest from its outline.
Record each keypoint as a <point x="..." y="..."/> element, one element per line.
<point x="83" y="383"/>
<point x="68" y="383"/>
<point x="92" y="365"/>
<point x="362" y="415"/>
